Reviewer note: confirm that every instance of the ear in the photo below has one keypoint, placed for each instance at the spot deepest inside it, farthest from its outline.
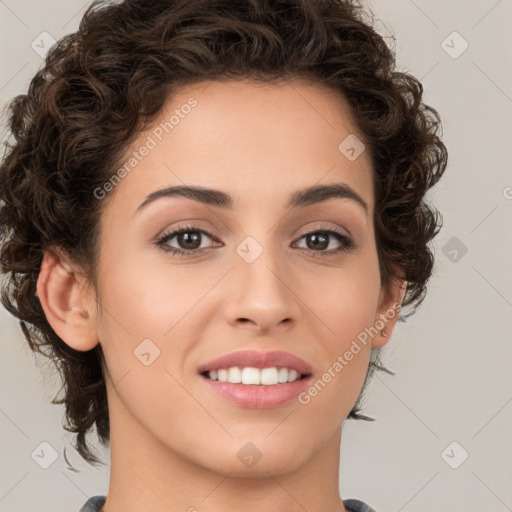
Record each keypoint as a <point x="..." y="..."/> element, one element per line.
<point x="390" y="303"/>
<point x="67" y="304"/>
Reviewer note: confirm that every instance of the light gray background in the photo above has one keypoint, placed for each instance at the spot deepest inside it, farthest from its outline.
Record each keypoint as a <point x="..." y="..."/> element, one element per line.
<point x="452" y="358"/>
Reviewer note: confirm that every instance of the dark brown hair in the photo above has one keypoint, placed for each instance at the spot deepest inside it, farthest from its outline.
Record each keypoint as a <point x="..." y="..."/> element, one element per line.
<point x="100" y="86"/>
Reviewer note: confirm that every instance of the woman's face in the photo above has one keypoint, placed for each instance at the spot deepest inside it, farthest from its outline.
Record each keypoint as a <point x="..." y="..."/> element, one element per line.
<point x="265" y="276"/>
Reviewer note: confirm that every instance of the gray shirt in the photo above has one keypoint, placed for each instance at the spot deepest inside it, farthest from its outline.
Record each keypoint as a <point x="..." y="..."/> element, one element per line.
<point x="94" y="503"/>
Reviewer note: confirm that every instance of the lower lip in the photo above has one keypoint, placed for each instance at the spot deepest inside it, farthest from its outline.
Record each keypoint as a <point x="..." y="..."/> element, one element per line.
<point x="258" y="396"/>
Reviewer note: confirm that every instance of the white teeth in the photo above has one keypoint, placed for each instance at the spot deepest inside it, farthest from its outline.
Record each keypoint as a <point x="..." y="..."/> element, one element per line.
<point x="254" y="376"/>
<point x="292" y="375"/>
<point x="234" y="375"/>
<point x="269" y="376"/>
<point x="283" y="375"/>
<point x="251" y="376"/>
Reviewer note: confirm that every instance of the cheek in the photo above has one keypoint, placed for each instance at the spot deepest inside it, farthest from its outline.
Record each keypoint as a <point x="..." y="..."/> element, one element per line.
<point x="160" y="303"/>
<point x="148" y="300"/>
<point x="345" y="298"/>
<point x="348" y="312"/>
<point x="347" y="305"/>
<point x="145" y="332"/>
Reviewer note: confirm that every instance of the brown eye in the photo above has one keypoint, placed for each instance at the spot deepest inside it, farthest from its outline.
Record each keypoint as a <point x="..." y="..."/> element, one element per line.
<point x="188" y="240"/>
<point x="319" y="241"/>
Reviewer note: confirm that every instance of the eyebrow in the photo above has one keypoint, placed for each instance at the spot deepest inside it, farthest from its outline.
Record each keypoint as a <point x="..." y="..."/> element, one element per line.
<point x="300" y="198"/>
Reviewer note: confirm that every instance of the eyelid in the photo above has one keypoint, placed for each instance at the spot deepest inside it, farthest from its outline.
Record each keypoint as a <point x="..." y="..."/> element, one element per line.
<point x="188" y="225"/>
<point x="324" y="226"/>
<point x="172" y="232"/>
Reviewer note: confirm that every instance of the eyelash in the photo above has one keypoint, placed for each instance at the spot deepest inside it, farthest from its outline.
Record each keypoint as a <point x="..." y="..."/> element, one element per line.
<point x="347" y="244"/>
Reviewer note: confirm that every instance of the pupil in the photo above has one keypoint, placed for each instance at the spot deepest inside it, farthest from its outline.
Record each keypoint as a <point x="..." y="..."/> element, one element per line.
<point x="315" y="239"/>
<point x="190" y="239"/>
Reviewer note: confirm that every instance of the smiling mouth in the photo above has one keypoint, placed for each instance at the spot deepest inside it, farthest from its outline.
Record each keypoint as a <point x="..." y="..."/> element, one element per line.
<point x="256" y="388"/>
<point x="254" y="376"/>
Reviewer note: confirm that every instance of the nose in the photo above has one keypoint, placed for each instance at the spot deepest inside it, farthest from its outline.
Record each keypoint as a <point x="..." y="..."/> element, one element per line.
<point x="261" y="296"/>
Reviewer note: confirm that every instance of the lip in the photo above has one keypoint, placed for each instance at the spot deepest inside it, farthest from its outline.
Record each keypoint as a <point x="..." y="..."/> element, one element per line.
<point x="258" y="396"/>
<point x="258" y="359"/>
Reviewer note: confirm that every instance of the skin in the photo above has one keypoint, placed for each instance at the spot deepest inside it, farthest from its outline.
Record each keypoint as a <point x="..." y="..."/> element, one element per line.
<point x="174" y="443"/>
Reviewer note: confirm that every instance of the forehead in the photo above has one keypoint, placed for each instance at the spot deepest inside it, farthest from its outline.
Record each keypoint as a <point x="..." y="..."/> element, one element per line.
<point x="250" y="139"/>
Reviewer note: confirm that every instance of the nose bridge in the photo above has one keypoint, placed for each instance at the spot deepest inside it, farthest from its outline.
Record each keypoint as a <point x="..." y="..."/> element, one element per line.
<point x="262" y="292"/>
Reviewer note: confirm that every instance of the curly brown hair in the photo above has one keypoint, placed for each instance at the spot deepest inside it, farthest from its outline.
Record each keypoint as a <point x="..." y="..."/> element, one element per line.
<point x="102" y="85"/>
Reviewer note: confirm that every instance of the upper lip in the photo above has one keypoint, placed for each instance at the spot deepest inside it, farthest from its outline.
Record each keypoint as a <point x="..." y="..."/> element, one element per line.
<point x="257" y="359"/>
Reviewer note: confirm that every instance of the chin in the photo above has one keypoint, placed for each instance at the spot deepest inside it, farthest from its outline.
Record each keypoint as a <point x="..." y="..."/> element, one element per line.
<point x="248" y="461"/>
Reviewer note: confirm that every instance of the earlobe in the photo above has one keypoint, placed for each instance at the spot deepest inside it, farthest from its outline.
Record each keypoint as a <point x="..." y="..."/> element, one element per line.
<point x="388" y="313"/>
<point x="59" y="292"/>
